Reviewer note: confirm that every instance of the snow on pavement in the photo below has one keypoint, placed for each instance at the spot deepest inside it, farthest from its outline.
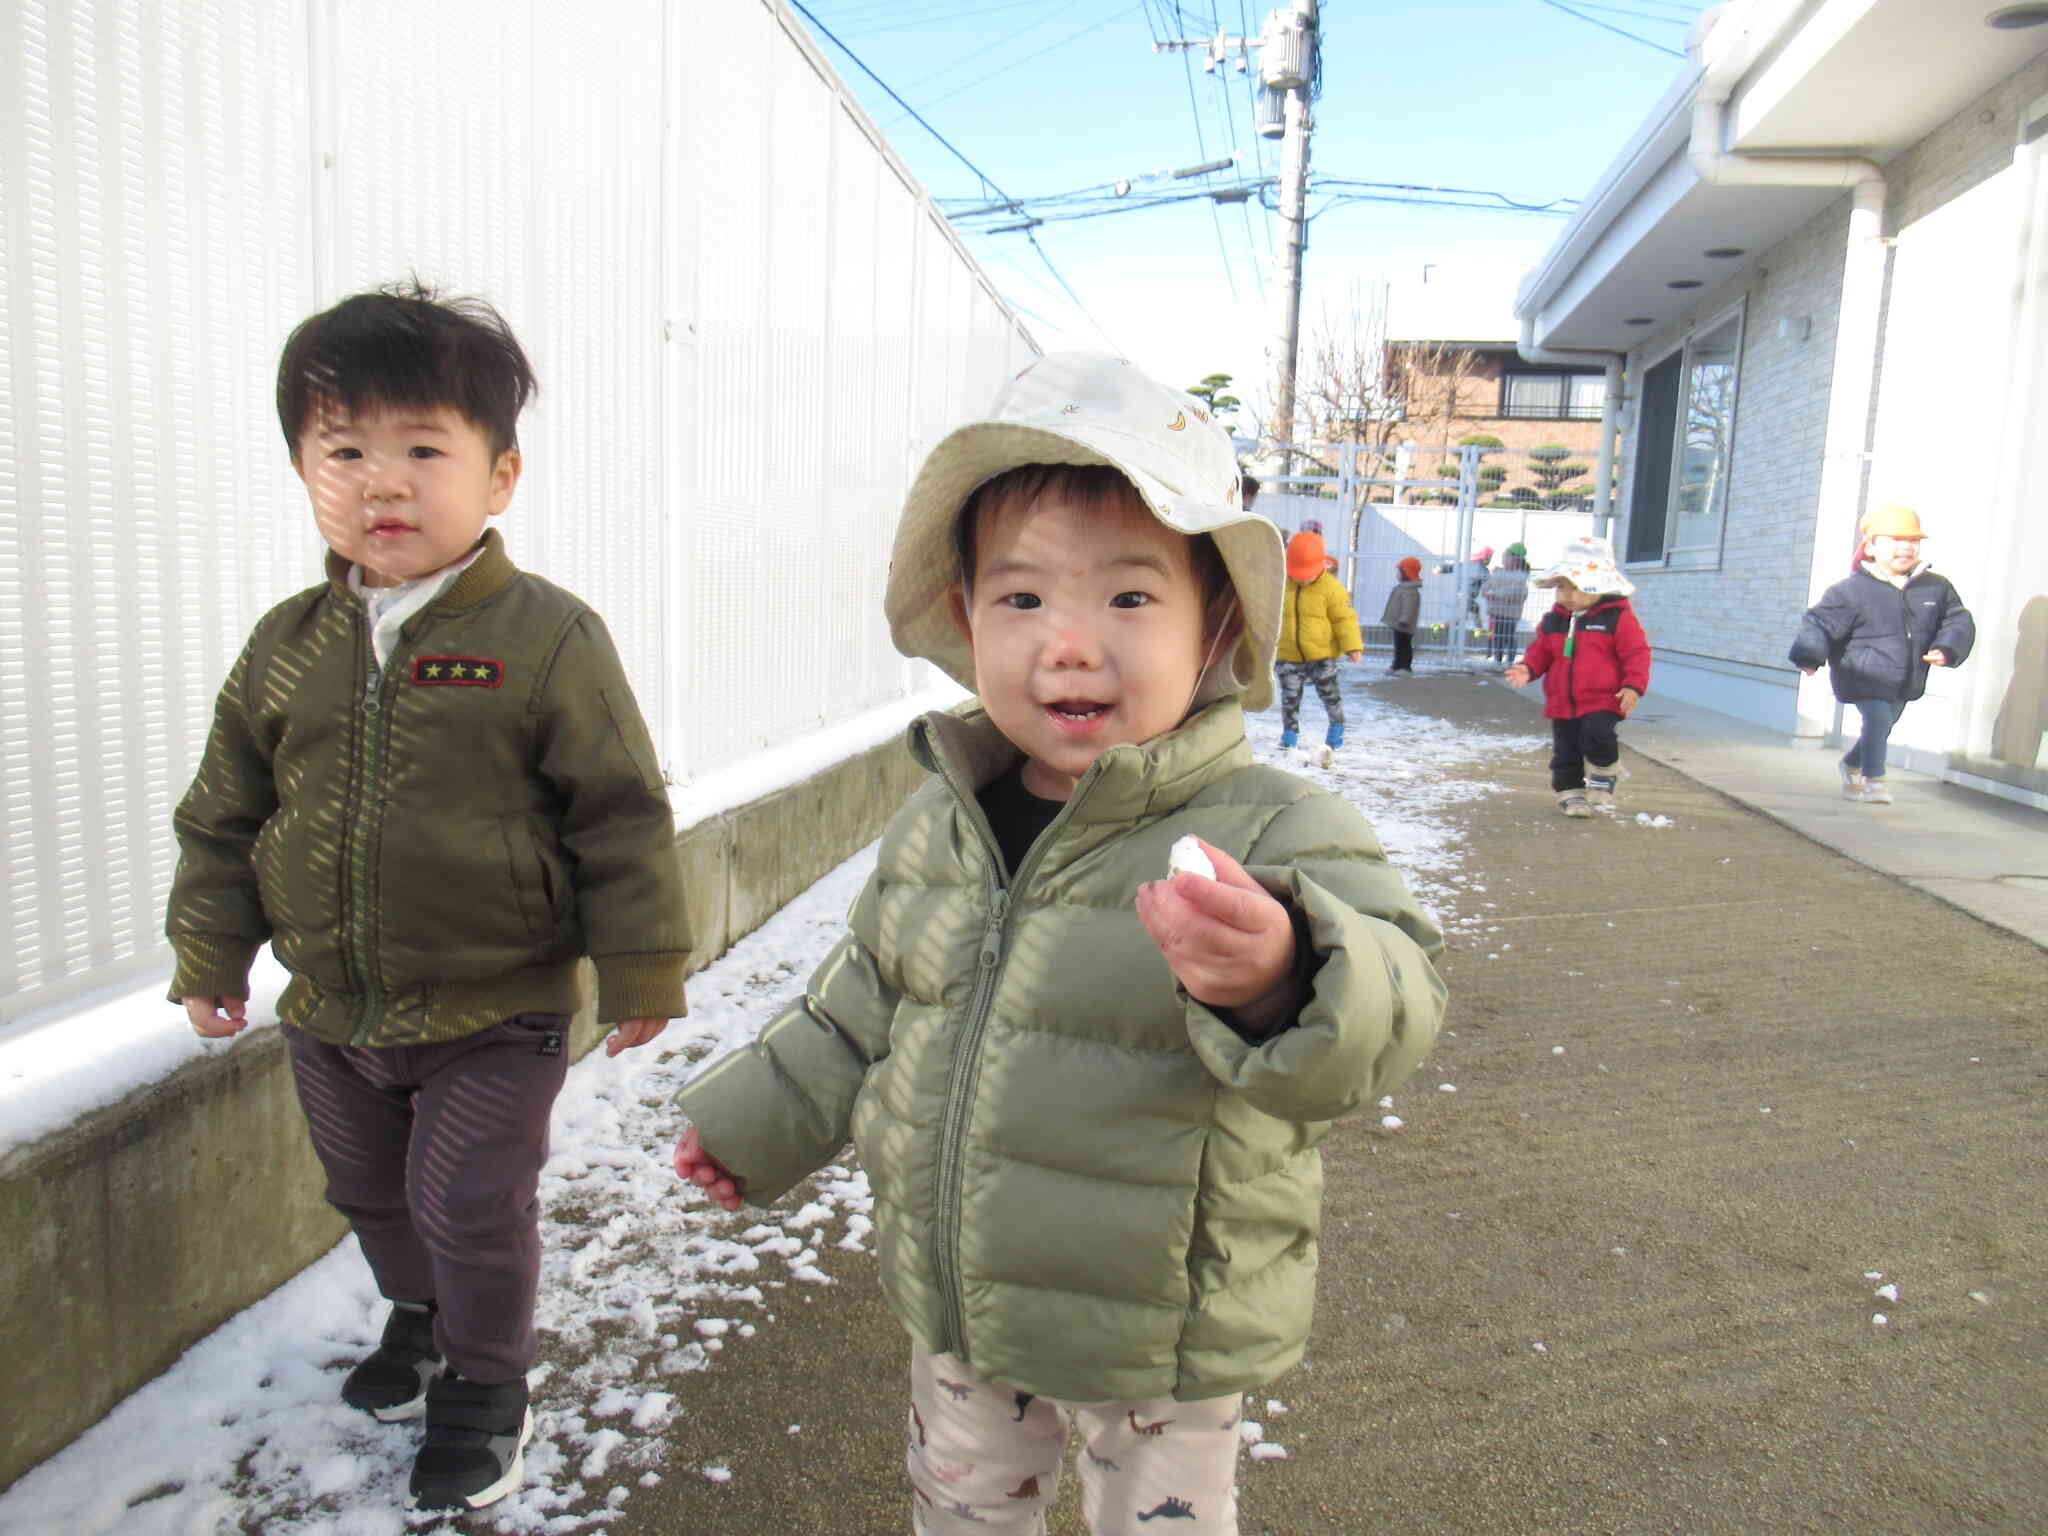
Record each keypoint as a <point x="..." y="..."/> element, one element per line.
<point x="640" y="1286"/>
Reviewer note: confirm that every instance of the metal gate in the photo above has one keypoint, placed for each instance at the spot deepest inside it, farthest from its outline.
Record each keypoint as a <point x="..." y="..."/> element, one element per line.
<point x="1379" y="505"/>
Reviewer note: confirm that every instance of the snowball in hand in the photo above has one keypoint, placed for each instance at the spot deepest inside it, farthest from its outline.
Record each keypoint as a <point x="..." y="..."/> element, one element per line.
<point x="1187" y="855"/>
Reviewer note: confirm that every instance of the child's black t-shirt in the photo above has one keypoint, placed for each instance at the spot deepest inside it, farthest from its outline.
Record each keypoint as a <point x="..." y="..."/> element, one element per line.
<point x="1016" y="816"/>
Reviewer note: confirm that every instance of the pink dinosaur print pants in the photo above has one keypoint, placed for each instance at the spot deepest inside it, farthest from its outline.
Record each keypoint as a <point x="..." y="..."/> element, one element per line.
<point x="985" y="1459"/>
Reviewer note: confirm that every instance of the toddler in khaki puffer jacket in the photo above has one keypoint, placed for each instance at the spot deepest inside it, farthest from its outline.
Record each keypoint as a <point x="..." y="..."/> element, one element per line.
<point x="1087" y="1093"/>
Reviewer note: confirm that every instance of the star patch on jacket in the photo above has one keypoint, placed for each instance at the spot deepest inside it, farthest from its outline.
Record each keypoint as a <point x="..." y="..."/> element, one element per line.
<point x="458" y="672"/>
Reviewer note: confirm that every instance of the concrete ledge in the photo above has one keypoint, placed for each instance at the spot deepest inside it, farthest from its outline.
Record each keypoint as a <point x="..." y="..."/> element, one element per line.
<point x="135" y="1232"/>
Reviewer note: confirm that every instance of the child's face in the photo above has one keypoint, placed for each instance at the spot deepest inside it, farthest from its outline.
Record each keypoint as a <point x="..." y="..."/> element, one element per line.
<point x="1898" y="556"/>
<point x="403" y="492"/>
<point x="1087" y="629"/>
<point x="1573" y="599"/>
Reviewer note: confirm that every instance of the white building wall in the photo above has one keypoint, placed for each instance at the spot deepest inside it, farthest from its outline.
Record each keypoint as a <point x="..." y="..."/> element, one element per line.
<point x="745" y="316"/>
<point x="1721" y="633"/>
<point x="1942" y="440"/>
<point x="1958" y="412"/>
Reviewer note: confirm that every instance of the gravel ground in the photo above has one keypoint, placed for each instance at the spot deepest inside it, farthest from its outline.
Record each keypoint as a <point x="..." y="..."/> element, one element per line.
<point x="1716" y="1088"/>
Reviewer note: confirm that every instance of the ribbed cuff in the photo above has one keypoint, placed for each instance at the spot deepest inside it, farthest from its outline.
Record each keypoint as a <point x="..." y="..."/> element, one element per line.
<point x="211" y="965"/>
<point x="640" y="986"/>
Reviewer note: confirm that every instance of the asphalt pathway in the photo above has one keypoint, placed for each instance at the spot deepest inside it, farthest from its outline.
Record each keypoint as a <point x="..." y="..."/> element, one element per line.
<point x="1718" y="1208"/>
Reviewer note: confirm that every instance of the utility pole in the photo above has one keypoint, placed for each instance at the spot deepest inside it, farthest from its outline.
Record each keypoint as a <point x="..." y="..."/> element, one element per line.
<point x="1287" y="63"/>
<point x="1288" y="66"/>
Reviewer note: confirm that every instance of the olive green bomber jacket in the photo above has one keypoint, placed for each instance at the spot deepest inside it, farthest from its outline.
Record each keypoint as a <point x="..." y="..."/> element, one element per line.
<point x="431" y="846"/>
<point x="1086" y="1183"/>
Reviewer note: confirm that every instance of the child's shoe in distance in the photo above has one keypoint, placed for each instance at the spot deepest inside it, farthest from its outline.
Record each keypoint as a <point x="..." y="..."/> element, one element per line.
<point x="391" y="1381"/>
<point x="1573" y="803"/>
<point x="1289" y="737"/>
<point x="1600" y="787"/>
<point x="1874" y="792"/>
<point x="1334" y="736"/>
<point x="1852" y="782"/>
<point x="475" y="1452"/>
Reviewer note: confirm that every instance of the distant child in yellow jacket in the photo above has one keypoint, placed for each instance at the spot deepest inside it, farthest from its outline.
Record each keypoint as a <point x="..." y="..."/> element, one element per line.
<point x="1317" y="624"/>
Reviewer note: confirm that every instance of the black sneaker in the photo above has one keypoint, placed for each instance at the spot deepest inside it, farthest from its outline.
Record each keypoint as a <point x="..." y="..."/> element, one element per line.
<point x="391" y="1381"/>
<point x="475" y="1451"/>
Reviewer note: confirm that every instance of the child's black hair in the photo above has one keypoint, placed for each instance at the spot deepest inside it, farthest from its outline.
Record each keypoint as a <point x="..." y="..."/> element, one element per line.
<point x="1088" y="484"/>
<point x="405" y="345"/>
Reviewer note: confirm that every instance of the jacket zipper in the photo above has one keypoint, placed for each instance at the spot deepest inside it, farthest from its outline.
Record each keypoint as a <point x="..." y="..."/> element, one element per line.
<point x="370" y="808"/>
<point x="967" y="1055"/>
<point x="1571" y="664"/>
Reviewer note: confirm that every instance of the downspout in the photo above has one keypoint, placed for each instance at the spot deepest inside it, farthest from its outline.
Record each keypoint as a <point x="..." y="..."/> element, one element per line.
<point x="1859" y="322"/>
<point x="1610" y="412"/>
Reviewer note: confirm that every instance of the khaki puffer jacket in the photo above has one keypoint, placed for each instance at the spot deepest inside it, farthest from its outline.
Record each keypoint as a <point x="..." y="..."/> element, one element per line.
<point x="1086" y="1183"/>
<point x="431" y="845"/>
<point x="1317" y="621"/>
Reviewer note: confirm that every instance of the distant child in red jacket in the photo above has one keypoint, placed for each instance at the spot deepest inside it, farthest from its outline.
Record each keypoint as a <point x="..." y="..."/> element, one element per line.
<point x="1594" y="660"/>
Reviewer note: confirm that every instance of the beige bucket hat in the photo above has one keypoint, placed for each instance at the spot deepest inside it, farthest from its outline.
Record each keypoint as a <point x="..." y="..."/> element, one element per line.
<point x="1091" y="408"/>
<point x="1588" y="564"/>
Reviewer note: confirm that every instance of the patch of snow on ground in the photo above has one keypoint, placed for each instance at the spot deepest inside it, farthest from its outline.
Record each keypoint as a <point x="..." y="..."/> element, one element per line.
<point x="248" y="1431"/>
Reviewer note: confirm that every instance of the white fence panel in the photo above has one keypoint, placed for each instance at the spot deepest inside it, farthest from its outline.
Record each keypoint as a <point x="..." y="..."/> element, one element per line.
<point x="746" y="319"/>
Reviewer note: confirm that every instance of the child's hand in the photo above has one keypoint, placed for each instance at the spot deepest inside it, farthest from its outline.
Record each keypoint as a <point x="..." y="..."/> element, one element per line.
<point x="1628" y="699"/>
<point x="217" y="1017"/>
<point x="1809" y="671"/>
<point x="1354" y="655"/>
<point x="631" y="1032"/>
<point x="1226" y="940"/>
<point x="1936" y="658"/>
<point x="696" y="1166"/>
<point x="1517" y="676"/>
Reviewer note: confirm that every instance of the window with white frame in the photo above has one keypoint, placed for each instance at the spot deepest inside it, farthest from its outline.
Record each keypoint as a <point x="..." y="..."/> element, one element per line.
<point x="1685" y="435"/>
<point x="1553" y="394"/>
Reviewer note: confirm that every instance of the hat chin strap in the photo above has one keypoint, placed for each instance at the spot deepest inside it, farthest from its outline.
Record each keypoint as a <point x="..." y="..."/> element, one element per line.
<point x="1209" y="657"/>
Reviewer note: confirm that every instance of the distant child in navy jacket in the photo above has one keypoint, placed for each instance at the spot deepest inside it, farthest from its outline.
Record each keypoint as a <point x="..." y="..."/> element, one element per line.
<point x="1594" y="660"/>
<point x="1879" y="630"/>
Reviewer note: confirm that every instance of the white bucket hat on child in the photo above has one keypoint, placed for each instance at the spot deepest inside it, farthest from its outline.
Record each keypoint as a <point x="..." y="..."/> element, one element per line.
<point x="1090" y="408"/>
<point x="1588" y="564"/>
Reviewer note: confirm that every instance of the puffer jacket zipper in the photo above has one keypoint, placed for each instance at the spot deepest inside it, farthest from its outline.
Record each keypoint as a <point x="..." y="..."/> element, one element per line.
<point x="966" y="1069"/>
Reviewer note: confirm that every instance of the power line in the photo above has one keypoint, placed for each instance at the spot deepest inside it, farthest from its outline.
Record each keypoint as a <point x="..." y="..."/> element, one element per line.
<point x="1007" y="37"/>
<point x="874" y="24"/>
<point x="1055" y="271"/>
<point x="1201" y="146"/>
<point x="1637" y="15"/>
<point x="825" y="32"/>
<point x="1558" y="5"/>
<point x="1093" y="26"/>
<point x="982" y="176"/>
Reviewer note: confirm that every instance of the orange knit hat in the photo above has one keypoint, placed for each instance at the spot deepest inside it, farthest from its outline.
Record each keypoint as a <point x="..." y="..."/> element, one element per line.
<point x="1409" y="567"/>
<point x="1306" y="559"/>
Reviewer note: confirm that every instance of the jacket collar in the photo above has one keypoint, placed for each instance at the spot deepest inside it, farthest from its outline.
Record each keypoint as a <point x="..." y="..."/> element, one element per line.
<point x="1869" y="568"/>
<point x="486" y="577"/>
<point x="1124" y="784"/>
<point x="1618" y="600"/>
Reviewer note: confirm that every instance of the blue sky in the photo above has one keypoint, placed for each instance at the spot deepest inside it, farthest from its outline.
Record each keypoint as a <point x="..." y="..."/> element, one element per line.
<point x="1047" y="96"/>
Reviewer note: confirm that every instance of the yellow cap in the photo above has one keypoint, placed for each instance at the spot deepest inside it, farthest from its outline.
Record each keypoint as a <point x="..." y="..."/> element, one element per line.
<point x="1898" y="522"/>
